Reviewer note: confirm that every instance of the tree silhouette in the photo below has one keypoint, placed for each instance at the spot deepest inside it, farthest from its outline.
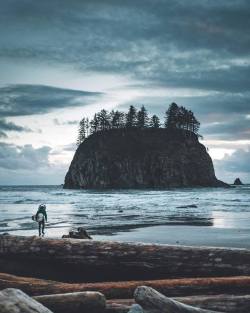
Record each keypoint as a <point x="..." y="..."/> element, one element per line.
<point x="81" y="132"/>
<point x="94" y="124"/>
<point x="175" y="118"/>
<point x="154" y="122"/>
<point x="180" y="118"/>
<point x="104" y="120"/>
<point x="87" y="127"/>
<point x="171" y="117"/>
<point x="142" y="118"/>
<point x="131" y="117"/>
<point x="117" y="119"/>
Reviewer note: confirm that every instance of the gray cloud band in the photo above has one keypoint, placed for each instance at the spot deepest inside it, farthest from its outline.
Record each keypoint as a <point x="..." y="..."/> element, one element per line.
<point x="18" y="100"/>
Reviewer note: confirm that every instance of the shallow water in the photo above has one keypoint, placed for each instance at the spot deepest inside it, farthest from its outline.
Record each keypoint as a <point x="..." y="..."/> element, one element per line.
<point x="112" y="212"/>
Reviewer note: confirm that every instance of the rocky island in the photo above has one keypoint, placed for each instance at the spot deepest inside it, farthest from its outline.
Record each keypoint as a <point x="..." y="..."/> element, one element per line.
<point x="142" y="157"/>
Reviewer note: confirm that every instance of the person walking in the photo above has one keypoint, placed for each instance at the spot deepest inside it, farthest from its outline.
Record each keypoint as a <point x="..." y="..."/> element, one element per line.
<point x="41" y="217"/>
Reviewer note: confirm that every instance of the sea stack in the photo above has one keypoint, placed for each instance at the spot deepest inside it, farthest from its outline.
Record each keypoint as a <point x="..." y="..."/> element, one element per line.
<point x="141" y="158"/>
<point x="238" y="182"/>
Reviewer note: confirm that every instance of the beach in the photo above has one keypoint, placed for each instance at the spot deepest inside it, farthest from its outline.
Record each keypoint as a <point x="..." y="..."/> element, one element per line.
<point x="192" y="216"/>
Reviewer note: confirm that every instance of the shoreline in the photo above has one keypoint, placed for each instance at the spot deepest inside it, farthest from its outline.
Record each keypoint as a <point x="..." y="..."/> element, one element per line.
<point x="184" y="235"/>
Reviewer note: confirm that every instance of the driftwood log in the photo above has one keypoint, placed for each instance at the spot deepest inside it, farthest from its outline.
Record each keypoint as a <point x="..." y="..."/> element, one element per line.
<point x="125" y="290"/>
<point x="154" y="302"/>
<point x="88" y="260"/>
<point x="77" y="302"/>
<point x="222" y="302"/>
<point x="15" y="301"/>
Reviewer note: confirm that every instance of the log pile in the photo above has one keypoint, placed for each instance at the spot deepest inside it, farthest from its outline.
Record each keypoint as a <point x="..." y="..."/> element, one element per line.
<point x="79" y="275"/>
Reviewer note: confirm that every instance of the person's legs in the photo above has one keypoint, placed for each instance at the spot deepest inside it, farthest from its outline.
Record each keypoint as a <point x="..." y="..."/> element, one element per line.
<point x="43" y="226"/>
<point x="39" y="228"/>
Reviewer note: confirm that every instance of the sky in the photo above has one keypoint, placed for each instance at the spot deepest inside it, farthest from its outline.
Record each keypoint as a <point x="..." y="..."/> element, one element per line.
<point x="62" y="60"/>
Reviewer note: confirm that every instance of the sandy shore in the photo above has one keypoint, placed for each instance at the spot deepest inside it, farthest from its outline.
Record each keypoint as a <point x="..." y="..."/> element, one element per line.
<point x="185" y="235"/>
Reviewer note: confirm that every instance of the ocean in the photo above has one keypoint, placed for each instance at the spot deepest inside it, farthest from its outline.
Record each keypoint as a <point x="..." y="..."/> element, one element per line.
<point x="191" y="216"/>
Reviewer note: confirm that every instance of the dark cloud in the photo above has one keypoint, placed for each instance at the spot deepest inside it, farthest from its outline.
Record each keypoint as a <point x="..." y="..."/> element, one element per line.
<point x="235" y="129"/>
<point x="238" y="162"/>
<point x="9" y="126"/>
<point x="26" y="157"/>
<point x="202" y="44"/>
<point x="16" y="100"/>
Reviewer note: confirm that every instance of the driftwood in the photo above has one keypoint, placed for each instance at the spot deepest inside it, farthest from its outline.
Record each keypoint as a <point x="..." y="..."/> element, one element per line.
<point x="88" y="260"/>
<point x="222" y="302"/>
<point x="114" y="307"/>
<point x="154" y="302"/>
<point x="115" y="290"/>
<point x="15" y="301"/>
<point x="77" y="302"/>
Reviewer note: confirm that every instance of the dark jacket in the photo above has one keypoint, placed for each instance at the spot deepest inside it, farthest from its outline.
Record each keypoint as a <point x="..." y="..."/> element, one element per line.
<point x="43" y="211"/>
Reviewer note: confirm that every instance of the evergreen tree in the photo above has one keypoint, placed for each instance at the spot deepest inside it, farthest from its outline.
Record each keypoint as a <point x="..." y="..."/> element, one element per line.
<point x="81" y="132"/>
<point x="104" y="120"/>
<point x="131" y="117"/>
<point x="117" y="119"/>
<point x="87" y="127"/>
<point x="154" y="122"/>
<point x="94" y="124"/>
<point x="171" y="117"/>
<point x="142" y="118"/>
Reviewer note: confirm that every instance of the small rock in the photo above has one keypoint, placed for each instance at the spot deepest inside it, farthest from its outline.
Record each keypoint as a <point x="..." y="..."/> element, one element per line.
<point x="81" y="233"/>
<point x="187" y="206"/>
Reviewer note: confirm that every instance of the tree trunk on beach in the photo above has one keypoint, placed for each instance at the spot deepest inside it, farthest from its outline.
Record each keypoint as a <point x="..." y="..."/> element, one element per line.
<point x="154" y="302"/>
<point x="125" y="289"/>
<point x="88" y="260"/>
<point x="77" y="302"/>
<point x="222" y="302"/>
<point x="15" y="301"/>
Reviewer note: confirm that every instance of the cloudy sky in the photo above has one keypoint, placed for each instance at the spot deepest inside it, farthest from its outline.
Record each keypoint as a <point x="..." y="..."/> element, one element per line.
<point x="61" y="60"/>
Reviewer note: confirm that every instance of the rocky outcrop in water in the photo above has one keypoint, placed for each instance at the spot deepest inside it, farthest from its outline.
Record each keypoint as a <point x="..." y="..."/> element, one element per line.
<point x="238" y="182"/>
<point x="141" y="158"/>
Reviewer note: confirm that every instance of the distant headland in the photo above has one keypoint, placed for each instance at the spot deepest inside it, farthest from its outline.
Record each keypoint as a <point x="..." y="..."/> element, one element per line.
<point x="118" y="150"/>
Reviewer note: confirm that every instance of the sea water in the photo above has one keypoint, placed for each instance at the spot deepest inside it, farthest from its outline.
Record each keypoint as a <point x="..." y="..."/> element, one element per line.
<point x="199" y="216"/>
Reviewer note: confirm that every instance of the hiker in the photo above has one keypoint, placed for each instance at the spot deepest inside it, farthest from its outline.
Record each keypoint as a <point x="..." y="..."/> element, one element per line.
<point x="41" y="217"/>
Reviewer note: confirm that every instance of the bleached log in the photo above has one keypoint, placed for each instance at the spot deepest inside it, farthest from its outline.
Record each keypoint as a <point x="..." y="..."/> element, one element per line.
<point x="224" y="303"/>
<point x="154" y="302"/>
<point x="16" y="301"/>
<point x="77" y="302"/>
<point x="90" y="260"/>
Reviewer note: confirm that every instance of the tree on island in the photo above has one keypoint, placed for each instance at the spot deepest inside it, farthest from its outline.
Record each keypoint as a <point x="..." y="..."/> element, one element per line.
<point x="104" y="120"/>
<point x="154" y="122"/>
<point x="131" y="117"/>
<point x="117" y="119"/>
<point x="180" y="118"/>
<point x="175" y="118"/>
<point x="142" y="118"/>
<point x="81" y="132"/>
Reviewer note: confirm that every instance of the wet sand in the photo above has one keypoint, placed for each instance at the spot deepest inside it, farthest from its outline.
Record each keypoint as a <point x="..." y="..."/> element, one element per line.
<point x="166" y="234"/>
<point x="185" y="235"/>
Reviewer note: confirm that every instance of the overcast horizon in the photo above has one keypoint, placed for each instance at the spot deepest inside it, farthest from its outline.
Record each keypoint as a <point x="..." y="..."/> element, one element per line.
<point x="63" y="60"/>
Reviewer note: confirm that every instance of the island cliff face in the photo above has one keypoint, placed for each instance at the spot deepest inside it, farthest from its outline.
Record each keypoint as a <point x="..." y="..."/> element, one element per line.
<point x="141" y="158"/>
